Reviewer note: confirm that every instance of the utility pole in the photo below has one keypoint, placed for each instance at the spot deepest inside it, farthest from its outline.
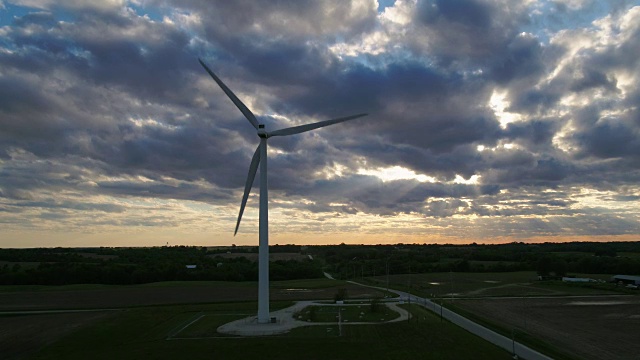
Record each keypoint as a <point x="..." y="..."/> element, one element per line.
<point x="451" y="280"/>
<point x="355" y="274"/>
<point x="513" y="342"/>
<point x="340" y="320"/>
<point x="387" y="277"/>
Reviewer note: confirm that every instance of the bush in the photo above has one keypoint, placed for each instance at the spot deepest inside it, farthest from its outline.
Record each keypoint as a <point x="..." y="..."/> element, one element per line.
<point x="375" y="305"/>
<point x="341" y="295"/>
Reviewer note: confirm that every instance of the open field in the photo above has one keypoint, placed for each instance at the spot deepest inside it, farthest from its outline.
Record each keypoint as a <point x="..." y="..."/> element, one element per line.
<point x="17" y="298"/>
<point x="570" y="318"/>
<point x="522" y="283"/>
<point x="188" y="314"/>
<point x="22" y="336"/>
<point x="589" y="327"/>
<point x="160" y="333"/>
<point x="144" y="328"/>
<point x="23" y="264"/>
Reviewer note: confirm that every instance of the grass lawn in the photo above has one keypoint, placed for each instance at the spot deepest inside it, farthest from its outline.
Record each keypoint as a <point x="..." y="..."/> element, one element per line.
<point x="143" y="333"/>
<point x="320" y="283"/>
<point x="350" y="313"/>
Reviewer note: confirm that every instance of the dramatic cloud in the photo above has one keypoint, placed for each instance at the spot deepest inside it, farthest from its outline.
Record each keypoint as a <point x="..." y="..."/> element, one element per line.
<point x="489" y="120"/>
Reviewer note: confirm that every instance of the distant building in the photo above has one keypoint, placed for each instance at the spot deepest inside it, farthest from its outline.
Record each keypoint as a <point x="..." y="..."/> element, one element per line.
<point x="549" y="277"/>
<point x="626" y="279"/>
<point x="574" y="279"/>
<point x="191" y="266"/>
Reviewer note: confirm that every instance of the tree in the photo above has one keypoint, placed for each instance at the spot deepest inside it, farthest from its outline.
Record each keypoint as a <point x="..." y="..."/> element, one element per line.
<point x="543" y="266"/>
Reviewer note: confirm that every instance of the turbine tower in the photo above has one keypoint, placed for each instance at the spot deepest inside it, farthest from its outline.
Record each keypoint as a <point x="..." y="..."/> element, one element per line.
<point x="260" y="157"/>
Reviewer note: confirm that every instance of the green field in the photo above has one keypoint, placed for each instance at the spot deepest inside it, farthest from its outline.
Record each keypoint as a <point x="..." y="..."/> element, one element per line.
<point x="170" y="320"/>
<point x="307" y="283"/>
<point x="160" y="333"/>
<point x="522" y="283"/>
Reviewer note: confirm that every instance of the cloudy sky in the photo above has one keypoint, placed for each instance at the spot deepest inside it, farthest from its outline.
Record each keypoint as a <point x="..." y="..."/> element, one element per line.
<point x="489" y="121"/>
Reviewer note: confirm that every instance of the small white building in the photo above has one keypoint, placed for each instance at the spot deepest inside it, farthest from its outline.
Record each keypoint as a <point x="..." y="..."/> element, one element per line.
<point x="626" y="279"/>
<point x="191" y="266"/>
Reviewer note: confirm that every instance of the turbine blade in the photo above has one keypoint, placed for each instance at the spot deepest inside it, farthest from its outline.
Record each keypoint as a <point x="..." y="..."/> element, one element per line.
<point x="253" y="168"/>
<point x="245" y="111"/>
<point x="303" y="128"/>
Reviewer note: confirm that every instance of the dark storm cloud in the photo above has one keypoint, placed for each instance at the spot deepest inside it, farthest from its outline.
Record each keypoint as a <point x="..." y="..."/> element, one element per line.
<point x="184" y="191"/>
<point x="434" y="115"/>
<point x="611" y="138"/>
<point x="469" y="12"/>
<point x="469" y="31"/>
<point x="534" y="134"/>
<point x="291" y="18"/>
<point x="593" y="78"/>
<point x="542" y="172"/>
<point x="522" y="57"/>
<point x="83" y="206"/>
<point x="119" y="50"/>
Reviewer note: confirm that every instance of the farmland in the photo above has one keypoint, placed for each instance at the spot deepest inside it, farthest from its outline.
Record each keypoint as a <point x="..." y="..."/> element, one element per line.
<point x="105" y="303"/>
<point x="519" y="283"/>
<point x="148" y="329"/>
<point x="17" y="298"/>
<point x="143" y="332"/>
<point x="588" y="327"/>
<point x="143" y="317"/>
<point x="574" y="321"/>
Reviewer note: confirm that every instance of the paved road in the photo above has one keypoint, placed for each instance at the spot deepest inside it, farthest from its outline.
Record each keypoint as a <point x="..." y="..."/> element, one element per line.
<point x="44" y="312"/>
<point x="504" y="342"/>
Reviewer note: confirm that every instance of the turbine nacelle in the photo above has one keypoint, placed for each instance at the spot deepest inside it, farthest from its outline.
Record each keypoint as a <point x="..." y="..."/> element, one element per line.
<point x="262" y="132"/>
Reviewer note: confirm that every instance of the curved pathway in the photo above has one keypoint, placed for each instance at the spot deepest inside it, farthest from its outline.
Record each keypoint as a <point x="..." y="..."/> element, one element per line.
<point x="522" y="351"/>
<point x="285" y="320"/>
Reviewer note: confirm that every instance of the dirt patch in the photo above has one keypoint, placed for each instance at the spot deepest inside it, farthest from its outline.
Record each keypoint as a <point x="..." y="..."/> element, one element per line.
<point x="508" y="289"/>
<point x="590" y="327"/>
<point x="22" y="336"/>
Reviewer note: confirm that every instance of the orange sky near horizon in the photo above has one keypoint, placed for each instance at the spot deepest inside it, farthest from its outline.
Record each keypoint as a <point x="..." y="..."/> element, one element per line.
<point x="174" y="238"/>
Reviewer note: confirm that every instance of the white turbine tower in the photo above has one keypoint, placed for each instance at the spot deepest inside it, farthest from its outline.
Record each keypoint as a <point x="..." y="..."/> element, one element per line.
<point x="260" y="157"/>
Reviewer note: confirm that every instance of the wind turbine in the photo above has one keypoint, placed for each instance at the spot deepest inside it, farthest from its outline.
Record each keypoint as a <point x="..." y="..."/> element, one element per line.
<point x="260" y="157"/>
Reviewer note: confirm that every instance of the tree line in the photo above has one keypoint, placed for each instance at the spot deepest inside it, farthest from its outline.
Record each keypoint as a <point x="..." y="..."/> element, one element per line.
<point x="58" y="266"/>
<point x="61" y="266"/>
<point x="559" y="259"/>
